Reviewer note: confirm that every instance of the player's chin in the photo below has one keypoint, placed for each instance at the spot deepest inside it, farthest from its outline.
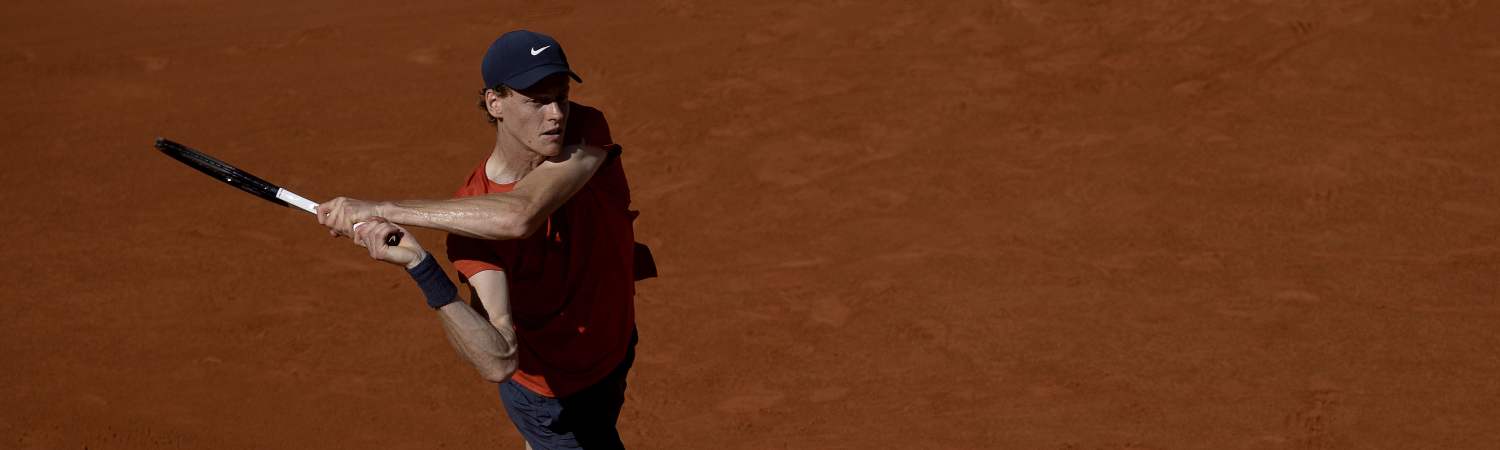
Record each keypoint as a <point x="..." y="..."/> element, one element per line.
<point x="548" y="148"/>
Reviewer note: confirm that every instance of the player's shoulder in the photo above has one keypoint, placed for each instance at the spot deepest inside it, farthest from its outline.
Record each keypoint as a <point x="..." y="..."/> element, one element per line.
<point x="586" y="114"/>
<point x="588" y="123"/>
<point x="474" y="184"/>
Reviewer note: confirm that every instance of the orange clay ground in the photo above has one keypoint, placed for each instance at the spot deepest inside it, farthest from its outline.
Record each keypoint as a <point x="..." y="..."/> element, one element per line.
<point x="971" y="224"/>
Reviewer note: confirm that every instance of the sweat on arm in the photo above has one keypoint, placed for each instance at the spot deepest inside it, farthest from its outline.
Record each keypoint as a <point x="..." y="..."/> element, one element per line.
<point x="509" y="215"/>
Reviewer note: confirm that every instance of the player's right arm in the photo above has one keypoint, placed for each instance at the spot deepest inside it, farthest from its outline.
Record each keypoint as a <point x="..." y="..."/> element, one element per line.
<point x="510" y="215"/>
<point x="487" y="344"/>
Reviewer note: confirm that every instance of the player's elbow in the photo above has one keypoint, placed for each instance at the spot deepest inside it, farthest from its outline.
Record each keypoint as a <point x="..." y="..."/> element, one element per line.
<point x="524" y="227"/>
<point x="508" y="228"/>
<point x="513" y="219"/>
<point x="496" y="376"/>
<point x="498" y="371"/>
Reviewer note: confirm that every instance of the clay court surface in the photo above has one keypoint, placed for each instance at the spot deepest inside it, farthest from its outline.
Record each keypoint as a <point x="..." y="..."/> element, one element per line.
<point x="974" y="224"/>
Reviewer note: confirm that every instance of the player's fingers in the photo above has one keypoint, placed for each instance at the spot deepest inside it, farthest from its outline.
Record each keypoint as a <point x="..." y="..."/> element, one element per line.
<point x="393" y="227"/>
<point x="366" y="232"/>
<point x="358" y="236"/>
<point x="329" y="209"/>
<point x="378" y="250"/>
<point x="338" y="223"/>
<point x="381" y="231"/>
<point x="370" y="222"/>
<point x="372" y="233"/>
<point x="346" y="221"/>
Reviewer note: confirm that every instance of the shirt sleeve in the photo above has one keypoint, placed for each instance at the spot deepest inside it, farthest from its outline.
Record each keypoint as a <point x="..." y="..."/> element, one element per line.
<point x="471" y="256"/>
<point x="594" y="129"/>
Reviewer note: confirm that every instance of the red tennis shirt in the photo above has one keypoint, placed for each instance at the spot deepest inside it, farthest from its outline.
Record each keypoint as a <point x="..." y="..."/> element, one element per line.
<point x="572" y="290"/>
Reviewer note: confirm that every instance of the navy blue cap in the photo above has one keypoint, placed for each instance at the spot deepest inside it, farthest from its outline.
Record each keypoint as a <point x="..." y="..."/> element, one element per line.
<point x="521" y="58"/>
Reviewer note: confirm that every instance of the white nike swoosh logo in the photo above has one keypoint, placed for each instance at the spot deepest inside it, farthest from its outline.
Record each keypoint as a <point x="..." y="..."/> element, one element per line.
<point x="538" y="51"/>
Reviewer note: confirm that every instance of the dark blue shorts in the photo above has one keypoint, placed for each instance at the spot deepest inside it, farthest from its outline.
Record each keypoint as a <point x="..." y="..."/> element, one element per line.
<point x="584" y="420"/>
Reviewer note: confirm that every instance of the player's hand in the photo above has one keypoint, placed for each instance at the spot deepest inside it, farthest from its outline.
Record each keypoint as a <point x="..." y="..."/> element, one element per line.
<point x="340" y="214"/>
<point x="371" y="234"/>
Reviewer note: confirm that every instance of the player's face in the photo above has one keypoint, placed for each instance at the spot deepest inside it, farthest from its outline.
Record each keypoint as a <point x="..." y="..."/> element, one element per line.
<point x="538" y="116"/>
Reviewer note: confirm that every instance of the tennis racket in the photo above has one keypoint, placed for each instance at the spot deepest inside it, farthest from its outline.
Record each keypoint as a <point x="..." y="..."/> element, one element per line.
<point x="243" y="180"/>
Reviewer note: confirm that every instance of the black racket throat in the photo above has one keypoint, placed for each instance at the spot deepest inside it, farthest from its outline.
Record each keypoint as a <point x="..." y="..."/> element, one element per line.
<point x="221" y="170"/>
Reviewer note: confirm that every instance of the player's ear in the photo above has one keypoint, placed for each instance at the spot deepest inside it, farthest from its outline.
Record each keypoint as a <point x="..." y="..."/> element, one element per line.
<point x="492" y="103"/>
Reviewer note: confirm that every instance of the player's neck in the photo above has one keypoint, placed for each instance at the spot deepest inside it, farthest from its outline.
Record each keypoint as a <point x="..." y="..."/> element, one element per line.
<point x="510" y="161"/>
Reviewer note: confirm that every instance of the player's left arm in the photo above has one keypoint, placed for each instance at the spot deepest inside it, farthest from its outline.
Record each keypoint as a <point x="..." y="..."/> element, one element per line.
<point x="488" y="345"/>
<point x="511" y="215"/>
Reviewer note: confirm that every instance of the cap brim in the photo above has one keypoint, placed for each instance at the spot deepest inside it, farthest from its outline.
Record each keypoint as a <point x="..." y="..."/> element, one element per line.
<point x="530" y="77"/>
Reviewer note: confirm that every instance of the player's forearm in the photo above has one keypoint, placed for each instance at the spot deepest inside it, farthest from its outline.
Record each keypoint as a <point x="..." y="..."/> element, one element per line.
<point x="490" y="348"/>
<point x="493" y="216"/>
<point x="509" y="215"/>
<point x="491" y="351"/>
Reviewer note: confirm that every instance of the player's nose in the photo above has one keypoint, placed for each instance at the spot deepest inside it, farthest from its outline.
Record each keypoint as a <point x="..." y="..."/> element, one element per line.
<point x="553" y="111"/>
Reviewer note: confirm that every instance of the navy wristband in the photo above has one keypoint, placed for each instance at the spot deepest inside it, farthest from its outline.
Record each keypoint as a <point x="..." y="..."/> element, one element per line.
<point x="434" y="283"/>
